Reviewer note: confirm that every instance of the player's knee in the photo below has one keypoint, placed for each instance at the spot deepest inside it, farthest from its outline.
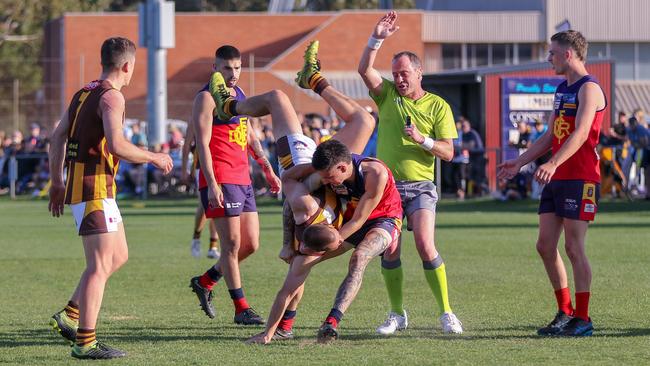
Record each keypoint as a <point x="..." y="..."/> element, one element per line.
<point x="545" y="249"/>
<point x="120" y="260"/>
<point x="575" y="251"/>
<point x="277" y="96"/>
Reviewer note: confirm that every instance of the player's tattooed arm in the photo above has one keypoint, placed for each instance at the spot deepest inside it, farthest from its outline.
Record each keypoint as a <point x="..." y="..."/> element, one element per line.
<point x="373" y="245"/>
<point x="289" y="248"/>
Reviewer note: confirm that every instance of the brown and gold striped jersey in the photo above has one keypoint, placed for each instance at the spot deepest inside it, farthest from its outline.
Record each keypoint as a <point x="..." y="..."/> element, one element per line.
<point x="91" y="168"/>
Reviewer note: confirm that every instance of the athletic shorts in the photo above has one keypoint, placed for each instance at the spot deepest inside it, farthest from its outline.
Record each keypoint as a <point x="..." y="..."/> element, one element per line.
<point x="96" y="217"/>
<point x="571" y="199"/>
<point x="294" y="150"/>
<point x="236" y="199"/>
<point x="390" y="224"/>
<point x="416" y="196"/>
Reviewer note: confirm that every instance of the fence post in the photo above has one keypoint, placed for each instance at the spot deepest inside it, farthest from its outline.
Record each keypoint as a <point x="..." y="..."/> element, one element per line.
<point x="13" y="176"/>
<point x="16" y="105"/>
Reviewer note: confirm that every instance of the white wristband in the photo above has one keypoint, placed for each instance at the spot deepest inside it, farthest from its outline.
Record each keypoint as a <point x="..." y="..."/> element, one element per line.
<point x="374" y="43"/>
<point x="427" y="144"/>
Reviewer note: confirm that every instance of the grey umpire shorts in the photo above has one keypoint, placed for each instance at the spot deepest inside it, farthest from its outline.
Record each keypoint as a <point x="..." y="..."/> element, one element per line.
<point x="417" y="195"/>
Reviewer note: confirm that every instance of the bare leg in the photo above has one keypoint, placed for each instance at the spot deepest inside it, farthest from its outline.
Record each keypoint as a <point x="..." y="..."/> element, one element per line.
<point x="250" y="235"/>
<point x="228" y="265"/>
<point x="278" y="105"/>
<point x="105" y="253"/>
<point x="375" y="242"/>
<point x="575" y="232"/>
<point x="359" y="123"/>
<point x="550" y="228"/>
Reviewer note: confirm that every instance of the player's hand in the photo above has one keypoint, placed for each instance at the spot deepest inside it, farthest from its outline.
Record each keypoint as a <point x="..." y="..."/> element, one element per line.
<point x="57" y="196"/>
<point x="287" y="253"/>
<point x="163" y="162"/>
<point x="258" y="339"/>
<point x="412" y="132"/>
<point x="508" y="169"/>
<point x="215" y="197"/>
<point x="386" y="26"/>
<point x="545" y="172"/>
<point x="273" y="180"/>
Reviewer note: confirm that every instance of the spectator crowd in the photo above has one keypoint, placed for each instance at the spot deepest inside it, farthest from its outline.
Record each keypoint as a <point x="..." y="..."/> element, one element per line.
<point x="624" y="151"/>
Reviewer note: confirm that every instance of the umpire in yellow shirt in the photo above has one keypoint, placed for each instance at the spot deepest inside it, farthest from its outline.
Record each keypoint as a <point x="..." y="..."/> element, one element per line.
<point x="415" y="127"/>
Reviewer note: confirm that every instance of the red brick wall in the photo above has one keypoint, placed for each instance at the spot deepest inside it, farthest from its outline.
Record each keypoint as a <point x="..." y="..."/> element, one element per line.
<point x="281" y="38"/>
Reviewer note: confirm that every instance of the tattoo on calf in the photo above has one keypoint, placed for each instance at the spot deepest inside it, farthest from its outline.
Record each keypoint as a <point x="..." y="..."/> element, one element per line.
<point x="373" y="245"/>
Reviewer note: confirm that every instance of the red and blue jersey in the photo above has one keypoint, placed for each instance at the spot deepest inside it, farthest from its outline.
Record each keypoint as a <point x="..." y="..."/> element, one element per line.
<point x="584" y="164"/>
<point x="229" y="148"/>
<point x="390" y="205"/>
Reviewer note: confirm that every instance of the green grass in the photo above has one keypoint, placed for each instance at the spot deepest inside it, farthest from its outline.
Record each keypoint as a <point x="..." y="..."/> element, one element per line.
<point x="498" y="288"/>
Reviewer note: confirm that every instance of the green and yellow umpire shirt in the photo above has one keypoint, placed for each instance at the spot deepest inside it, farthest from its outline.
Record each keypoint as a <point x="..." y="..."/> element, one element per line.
<point x="431" y="115"/>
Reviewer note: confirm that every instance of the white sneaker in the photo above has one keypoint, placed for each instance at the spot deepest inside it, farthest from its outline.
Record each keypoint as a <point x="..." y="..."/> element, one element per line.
<point x="195" y="247"/>
<point x="451" y="324"/>
<point x="214" y="253"/>
<point x="394" y="323"/>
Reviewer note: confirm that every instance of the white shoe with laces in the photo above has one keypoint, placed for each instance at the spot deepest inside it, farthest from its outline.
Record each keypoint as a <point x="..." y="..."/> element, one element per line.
<point x="394" y="323"/>
<point x="195" y="247"/>
<point x="214" y="253"/>
<point x="451" y="324"/>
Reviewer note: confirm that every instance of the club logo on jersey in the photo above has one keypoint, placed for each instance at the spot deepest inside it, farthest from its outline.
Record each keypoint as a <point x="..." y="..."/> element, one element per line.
<point x="239" y="134"/>
<point x="561" y="127"/>
<point x="299" y="145"/>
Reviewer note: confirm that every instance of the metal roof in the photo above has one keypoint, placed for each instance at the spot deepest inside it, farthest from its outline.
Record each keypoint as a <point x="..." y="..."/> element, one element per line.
<point x="631" y="95"/>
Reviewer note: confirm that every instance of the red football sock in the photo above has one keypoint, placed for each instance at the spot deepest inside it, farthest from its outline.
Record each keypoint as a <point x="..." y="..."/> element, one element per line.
<point x="563" y="297"/>
<point x="582" y="305"/>
<point x="286" y="324"/>
<point x="332" y="320"/>
<point x="240" y="305"/>
<point x="206" y="282"/>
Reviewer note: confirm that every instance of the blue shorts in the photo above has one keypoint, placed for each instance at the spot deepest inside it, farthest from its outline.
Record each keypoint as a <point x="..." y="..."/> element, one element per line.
<point x="571" y="199"/>
<point x="390" y="224"/>
<point x="236" y="199"/>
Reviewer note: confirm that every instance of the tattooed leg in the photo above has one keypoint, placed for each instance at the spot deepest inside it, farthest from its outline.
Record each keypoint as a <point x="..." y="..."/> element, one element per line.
<point x="375" y="243"/>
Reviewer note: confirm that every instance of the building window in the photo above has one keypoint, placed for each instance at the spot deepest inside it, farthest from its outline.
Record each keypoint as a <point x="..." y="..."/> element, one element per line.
<point x="478" y="54"/>
<point x="451" y="56"/>
<point x="501" y="54"/>
<point x="596" y="51"/>
<point x="623" y="53"/>
<point x="643" y="66"/>
<point x="525" y="52"/>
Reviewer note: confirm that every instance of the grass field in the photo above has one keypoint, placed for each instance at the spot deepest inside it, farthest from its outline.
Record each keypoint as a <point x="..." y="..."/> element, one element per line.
<point x="498" y="288"/>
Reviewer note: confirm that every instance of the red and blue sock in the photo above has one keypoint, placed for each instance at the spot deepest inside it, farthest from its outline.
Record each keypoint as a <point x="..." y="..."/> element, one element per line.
<point x="334" y="317"/>
<point x="239" y="300"/>
<point x="210" y="278"/>
<point x="286" y="323"/>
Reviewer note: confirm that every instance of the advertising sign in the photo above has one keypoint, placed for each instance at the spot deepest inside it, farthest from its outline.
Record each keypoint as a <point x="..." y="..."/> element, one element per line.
<point x="524" y="99"/>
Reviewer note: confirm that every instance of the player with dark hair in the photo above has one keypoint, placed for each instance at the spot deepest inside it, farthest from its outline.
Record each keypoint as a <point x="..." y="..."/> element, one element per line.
<point x="318" y="215"/>
<point x="225" y="185"/>
<point x="572" y="177"/>
<point x="89" y="140"/>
